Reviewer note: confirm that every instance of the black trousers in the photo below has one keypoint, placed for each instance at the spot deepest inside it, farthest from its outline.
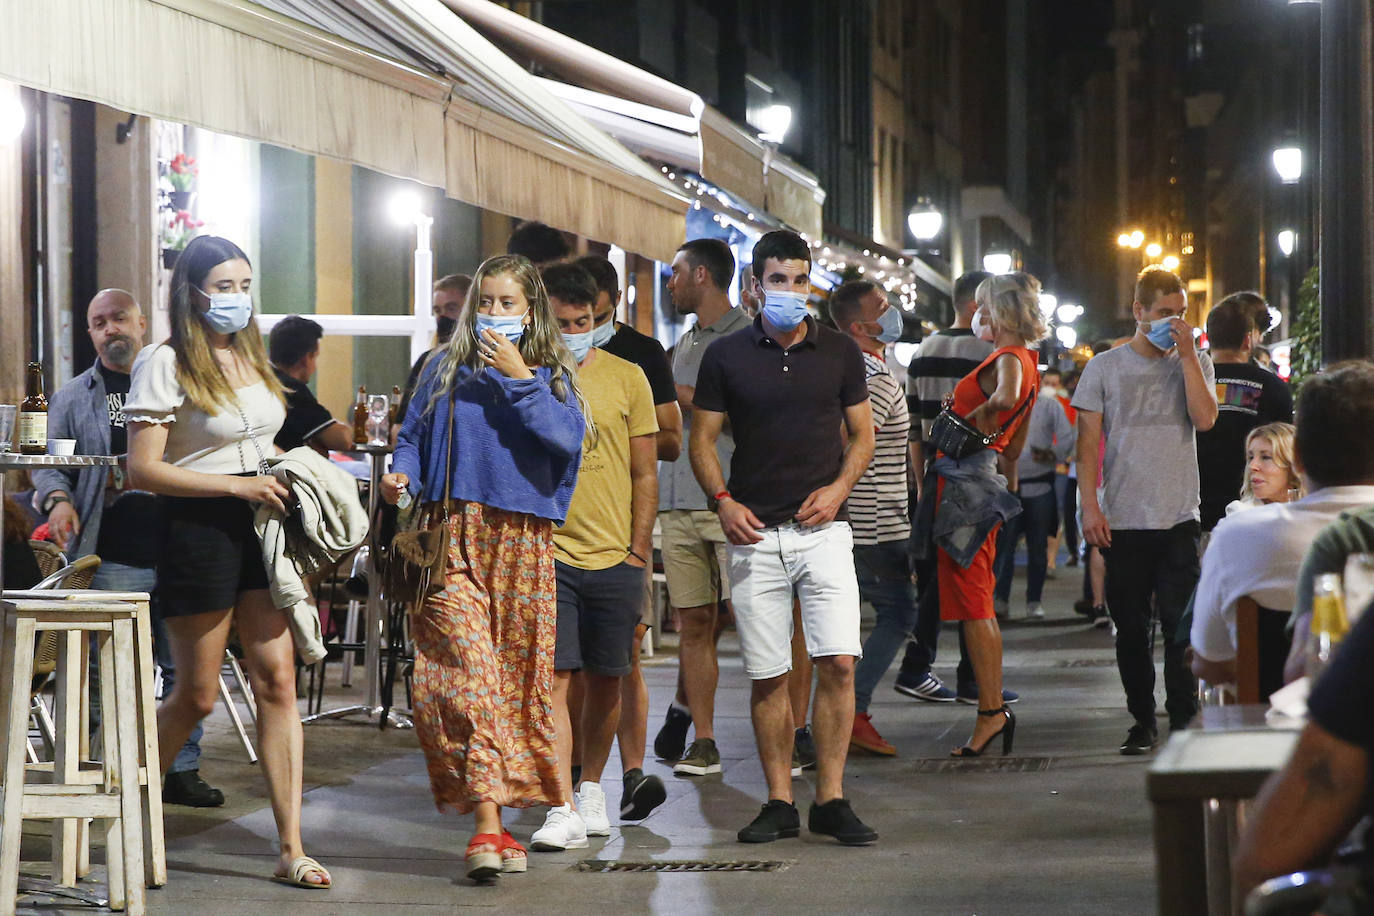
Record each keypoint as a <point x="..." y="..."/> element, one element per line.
<point x="1163" y="566"/>
<point x="920" y="649"/>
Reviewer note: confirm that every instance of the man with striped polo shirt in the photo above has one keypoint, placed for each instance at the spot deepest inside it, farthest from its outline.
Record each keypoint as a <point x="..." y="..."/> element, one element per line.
<point x="939" y="363"/>
<point x="878" y="502"/>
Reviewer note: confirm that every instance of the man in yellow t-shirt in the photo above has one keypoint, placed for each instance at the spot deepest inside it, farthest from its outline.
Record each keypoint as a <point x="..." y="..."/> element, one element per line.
<point x="600" y="553"/>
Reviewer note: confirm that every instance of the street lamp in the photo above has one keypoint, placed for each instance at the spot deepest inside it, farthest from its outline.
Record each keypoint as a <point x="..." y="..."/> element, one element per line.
<point x="405" y="210"/>
<point x="1124" y="240"/>
<point x="1170" y="262"/>
<point x="997" y="262"/>
<point x="1068" y="337"/>
<point x="1288" y="163"/>
<point x="1286" y="239"/>
<point x="924" y="221"/>
<point x="1048" y="303"/>
<point x="773" y="122"/>
<point x="1154" y="250"/>
<point x="1068" y="313"/>
<point x="1137" y="238"/>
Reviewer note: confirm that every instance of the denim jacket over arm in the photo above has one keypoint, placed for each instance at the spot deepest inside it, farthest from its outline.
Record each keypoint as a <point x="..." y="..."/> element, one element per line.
<point x="974" y="501"/>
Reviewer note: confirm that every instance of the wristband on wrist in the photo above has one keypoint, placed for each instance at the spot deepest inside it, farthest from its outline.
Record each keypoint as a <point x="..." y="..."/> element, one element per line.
<point x="723" y="494"/>
<point x="636" y="555"/>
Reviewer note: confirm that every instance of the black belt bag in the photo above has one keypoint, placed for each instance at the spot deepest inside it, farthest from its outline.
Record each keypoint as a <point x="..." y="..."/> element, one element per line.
<point x="958" y="438"/>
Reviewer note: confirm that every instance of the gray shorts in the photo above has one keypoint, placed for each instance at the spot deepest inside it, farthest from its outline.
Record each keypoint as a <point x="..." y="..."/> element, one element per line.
<point x="598" y="610"/>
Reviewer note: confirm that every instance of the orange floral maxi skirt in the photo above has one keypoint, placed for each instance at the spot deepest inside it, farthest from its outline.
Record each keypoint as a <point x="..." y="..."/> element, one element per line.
<point x="483" y="681"/>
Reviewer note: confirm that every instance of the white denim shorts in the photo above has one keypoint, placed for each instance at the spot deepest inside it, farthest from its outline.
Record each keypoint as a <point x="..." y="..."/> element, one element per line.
<point x="816" y="565"/>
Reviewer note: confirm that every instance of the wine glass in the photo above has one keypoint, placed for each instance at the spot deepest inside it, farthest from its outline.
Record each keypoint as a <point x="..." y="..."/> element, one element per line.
<point x="377" y="426"/>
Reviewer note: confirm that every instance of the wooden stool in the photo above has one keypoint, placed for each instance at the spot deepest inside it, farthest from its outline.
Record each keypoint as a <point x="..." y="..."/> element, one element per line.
<point x="114" y="790"/>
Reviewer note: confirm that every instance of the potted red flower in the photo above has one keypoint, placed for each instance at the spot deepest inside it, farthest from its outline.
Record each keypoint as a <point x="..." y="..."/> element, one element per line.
<point x="177" y="232"/>
<point x="181" y="174"/>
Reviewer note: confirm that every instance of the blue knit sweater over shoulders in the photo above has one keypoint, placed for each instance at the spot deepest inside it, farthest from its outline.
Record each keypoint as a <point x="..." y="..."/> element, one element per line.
<point x="516" y="445"/>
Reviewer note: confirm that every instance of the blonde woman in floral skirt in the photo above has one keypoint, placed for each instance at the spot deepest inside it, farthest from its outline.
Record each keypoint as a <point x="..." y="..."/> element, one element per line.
<point x="502" y="395"/>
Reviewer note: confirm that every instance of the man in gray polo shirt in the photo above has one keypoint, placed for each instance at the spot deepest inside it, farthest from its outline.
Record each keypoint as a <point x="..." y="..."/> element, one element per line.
<point x="693" y="544"/>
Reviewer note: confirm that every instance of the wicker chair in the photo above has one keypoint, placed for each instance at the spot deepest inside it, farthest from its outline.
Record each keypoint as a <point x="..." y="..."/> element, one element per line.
<point x="76" y="575"/>
<point x="48" y="555"/>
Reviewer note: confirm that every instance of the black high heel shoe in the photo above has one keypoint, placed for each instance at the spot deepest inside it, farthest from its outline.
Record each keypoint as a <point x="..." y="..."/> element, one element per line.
<point x="1008" y="732"/>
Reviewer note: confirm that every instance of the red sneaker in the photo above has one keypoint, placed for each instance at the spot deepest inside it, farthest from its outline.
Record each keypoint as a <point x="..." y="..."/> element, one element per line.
<point x="866" y="737"/>
<point x="513" y="857"/>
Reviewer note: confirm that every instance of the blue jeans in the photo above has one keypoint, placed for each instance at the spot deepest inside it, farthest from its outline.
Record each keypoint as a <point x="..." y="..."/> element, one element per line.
<point x="1036" y="522"/>
<point x="884" y="574"/>
<point x="116" y="577"/>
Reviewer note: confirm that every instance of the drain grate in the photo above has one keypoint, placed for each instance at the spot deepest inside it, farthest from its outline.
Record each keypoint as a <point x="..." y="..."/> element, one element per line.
<point x="608" y="866"/>
<point x="984" y="764"/>
<point x="1087" y="663"/>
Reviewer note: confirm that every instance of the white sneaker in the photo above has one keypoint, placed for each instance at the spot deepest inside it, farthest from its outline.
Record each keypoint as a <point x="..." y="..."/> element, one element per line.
<point x="1035" y="611"/>
<point x="563" y="829"/>
<point x="591" y="804"/>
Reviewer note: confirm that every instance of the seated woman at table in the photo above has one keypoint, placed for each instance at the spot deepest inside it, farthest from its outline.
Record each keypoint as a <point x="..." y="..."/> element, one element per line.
<point x="1269" y="473"/>
<point x="21" y="566"/>
<point x="497" y="425"/>
<point x="202" y="410"/>
<point x="1306" y="809"/>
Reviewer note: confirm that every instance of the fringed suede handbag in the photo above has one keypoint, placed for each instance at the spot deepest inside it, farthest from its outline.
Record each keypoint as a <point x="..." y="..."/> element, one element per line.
<point x="958" y="438"/>
<point x="418" y="559"/>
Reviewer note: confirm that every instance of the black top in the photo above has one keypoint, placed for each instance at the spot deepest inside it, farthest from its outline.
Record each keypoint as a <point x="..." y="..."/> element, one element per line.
<point x="131" y="524"/>
<point x="1247" y="396"/>
<point x="1342" y="700"/>
<point x="305" y="416"/>
<point x="786" y="411"/>
<point x="647" y="354"/>
<point x="404" y="407"/>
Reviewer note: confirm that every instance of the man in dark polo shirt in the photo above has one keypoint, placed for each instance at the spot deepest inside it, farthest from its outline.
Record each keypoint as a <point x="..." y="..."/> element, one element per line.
<point x="788" y="386"/>
<point x="294" y="350"/>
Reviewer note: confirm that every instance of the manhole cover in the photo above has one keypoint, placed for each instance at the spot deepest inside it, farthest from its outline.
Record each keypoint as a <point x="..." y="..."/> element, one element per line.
<point x="984" y="764"/>
<point x="607" y="866"/>
<point x="1087" y="663"/>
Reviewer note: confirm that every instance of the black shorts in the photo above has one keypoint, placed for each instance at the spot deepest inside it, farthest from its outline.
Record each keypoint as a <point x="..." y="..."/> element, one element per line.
<point x="598" y="610"/>
<point x="211" y="554"/>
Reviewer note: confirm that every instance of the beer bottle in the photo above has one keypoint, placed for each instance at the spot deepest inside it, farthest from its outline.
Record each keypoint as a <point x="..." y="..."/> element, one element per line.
<point x="33" y="414"/>
<point x="1329" y="622"/>
<point x="394" y="406"/>
<point x="360" y="417"/>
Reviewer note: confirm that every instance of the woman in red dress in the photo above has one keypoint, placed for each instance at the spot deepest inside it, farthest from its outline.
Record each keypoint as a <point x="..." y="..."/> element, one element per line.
<point x="974" y="495"/>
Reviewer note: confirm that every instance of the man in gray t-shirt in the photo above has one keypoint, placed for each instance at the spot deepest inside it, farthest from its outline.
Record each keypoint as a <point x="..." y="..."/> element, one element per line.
<point x="1148" y="397"/>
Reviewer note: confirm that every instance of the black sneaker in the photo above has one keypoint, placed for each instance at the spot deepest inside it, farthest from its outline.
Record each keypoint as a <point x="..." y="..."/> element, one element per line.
<point x="805" y="746"/>
<point x="777" y="820"/>
<point x="642" y="794"/>
<point x="835" y="818"/>
<point x="187" y="788"/>
<point x="1139" y="741"/>
<point x="671" y="739"/>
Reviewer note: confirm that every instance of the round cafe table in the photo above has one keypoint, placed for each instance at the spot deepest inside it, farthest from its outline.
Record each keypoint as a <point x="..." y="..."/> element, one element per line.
<point x="14" y="461"/>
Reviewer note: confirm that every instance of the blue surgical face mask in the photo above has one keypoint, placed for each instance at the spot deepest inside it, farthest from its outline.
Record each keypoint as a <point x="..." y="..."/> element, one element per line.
<point x="1160" y="333"/>
<point x="784" y="310"/>
<point x="602" y="335"/>
<point x="229" y="312"/>
<point x="513" y="326"/>
<point x="891" y="320"/>
<point x="579" y="344"/>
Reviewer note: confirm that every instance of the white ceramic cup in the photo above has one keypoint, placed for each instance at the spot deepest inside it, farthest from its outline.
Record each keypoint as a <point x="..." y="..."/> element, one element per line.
<point x="61" y="446"/>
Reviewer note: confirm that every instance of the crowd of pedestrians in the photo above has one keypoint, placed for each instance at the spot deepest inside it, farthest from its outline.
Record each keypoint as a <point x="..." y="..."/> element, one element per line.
<point x="790" y="478"/>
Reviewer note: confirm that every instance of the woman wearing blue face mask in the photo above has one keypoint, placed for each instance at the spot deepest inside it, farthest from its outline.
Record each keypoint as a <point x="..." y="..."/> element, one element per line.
<point x="496" y="429"/>
<point x="202" y="410"/>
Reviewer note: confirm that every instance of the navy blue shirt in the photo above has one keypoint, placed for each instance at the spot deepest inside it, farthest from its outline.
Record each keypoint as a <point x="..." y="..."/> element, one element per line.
<point x="786" y="410"/>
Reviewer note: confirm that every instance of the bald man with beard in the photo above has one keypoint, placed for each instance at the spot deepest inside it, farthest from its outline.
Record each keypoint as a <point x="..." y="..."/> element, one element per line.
<point x="93" y="510"/>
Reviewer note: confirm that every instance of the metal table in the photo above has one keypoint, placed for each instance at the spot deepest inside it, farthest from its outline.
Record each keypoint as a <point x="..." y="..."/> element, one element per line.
<point x="13" y="461"/>
<point x="374" y="623"/>
<point x="1225" y="760"/>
